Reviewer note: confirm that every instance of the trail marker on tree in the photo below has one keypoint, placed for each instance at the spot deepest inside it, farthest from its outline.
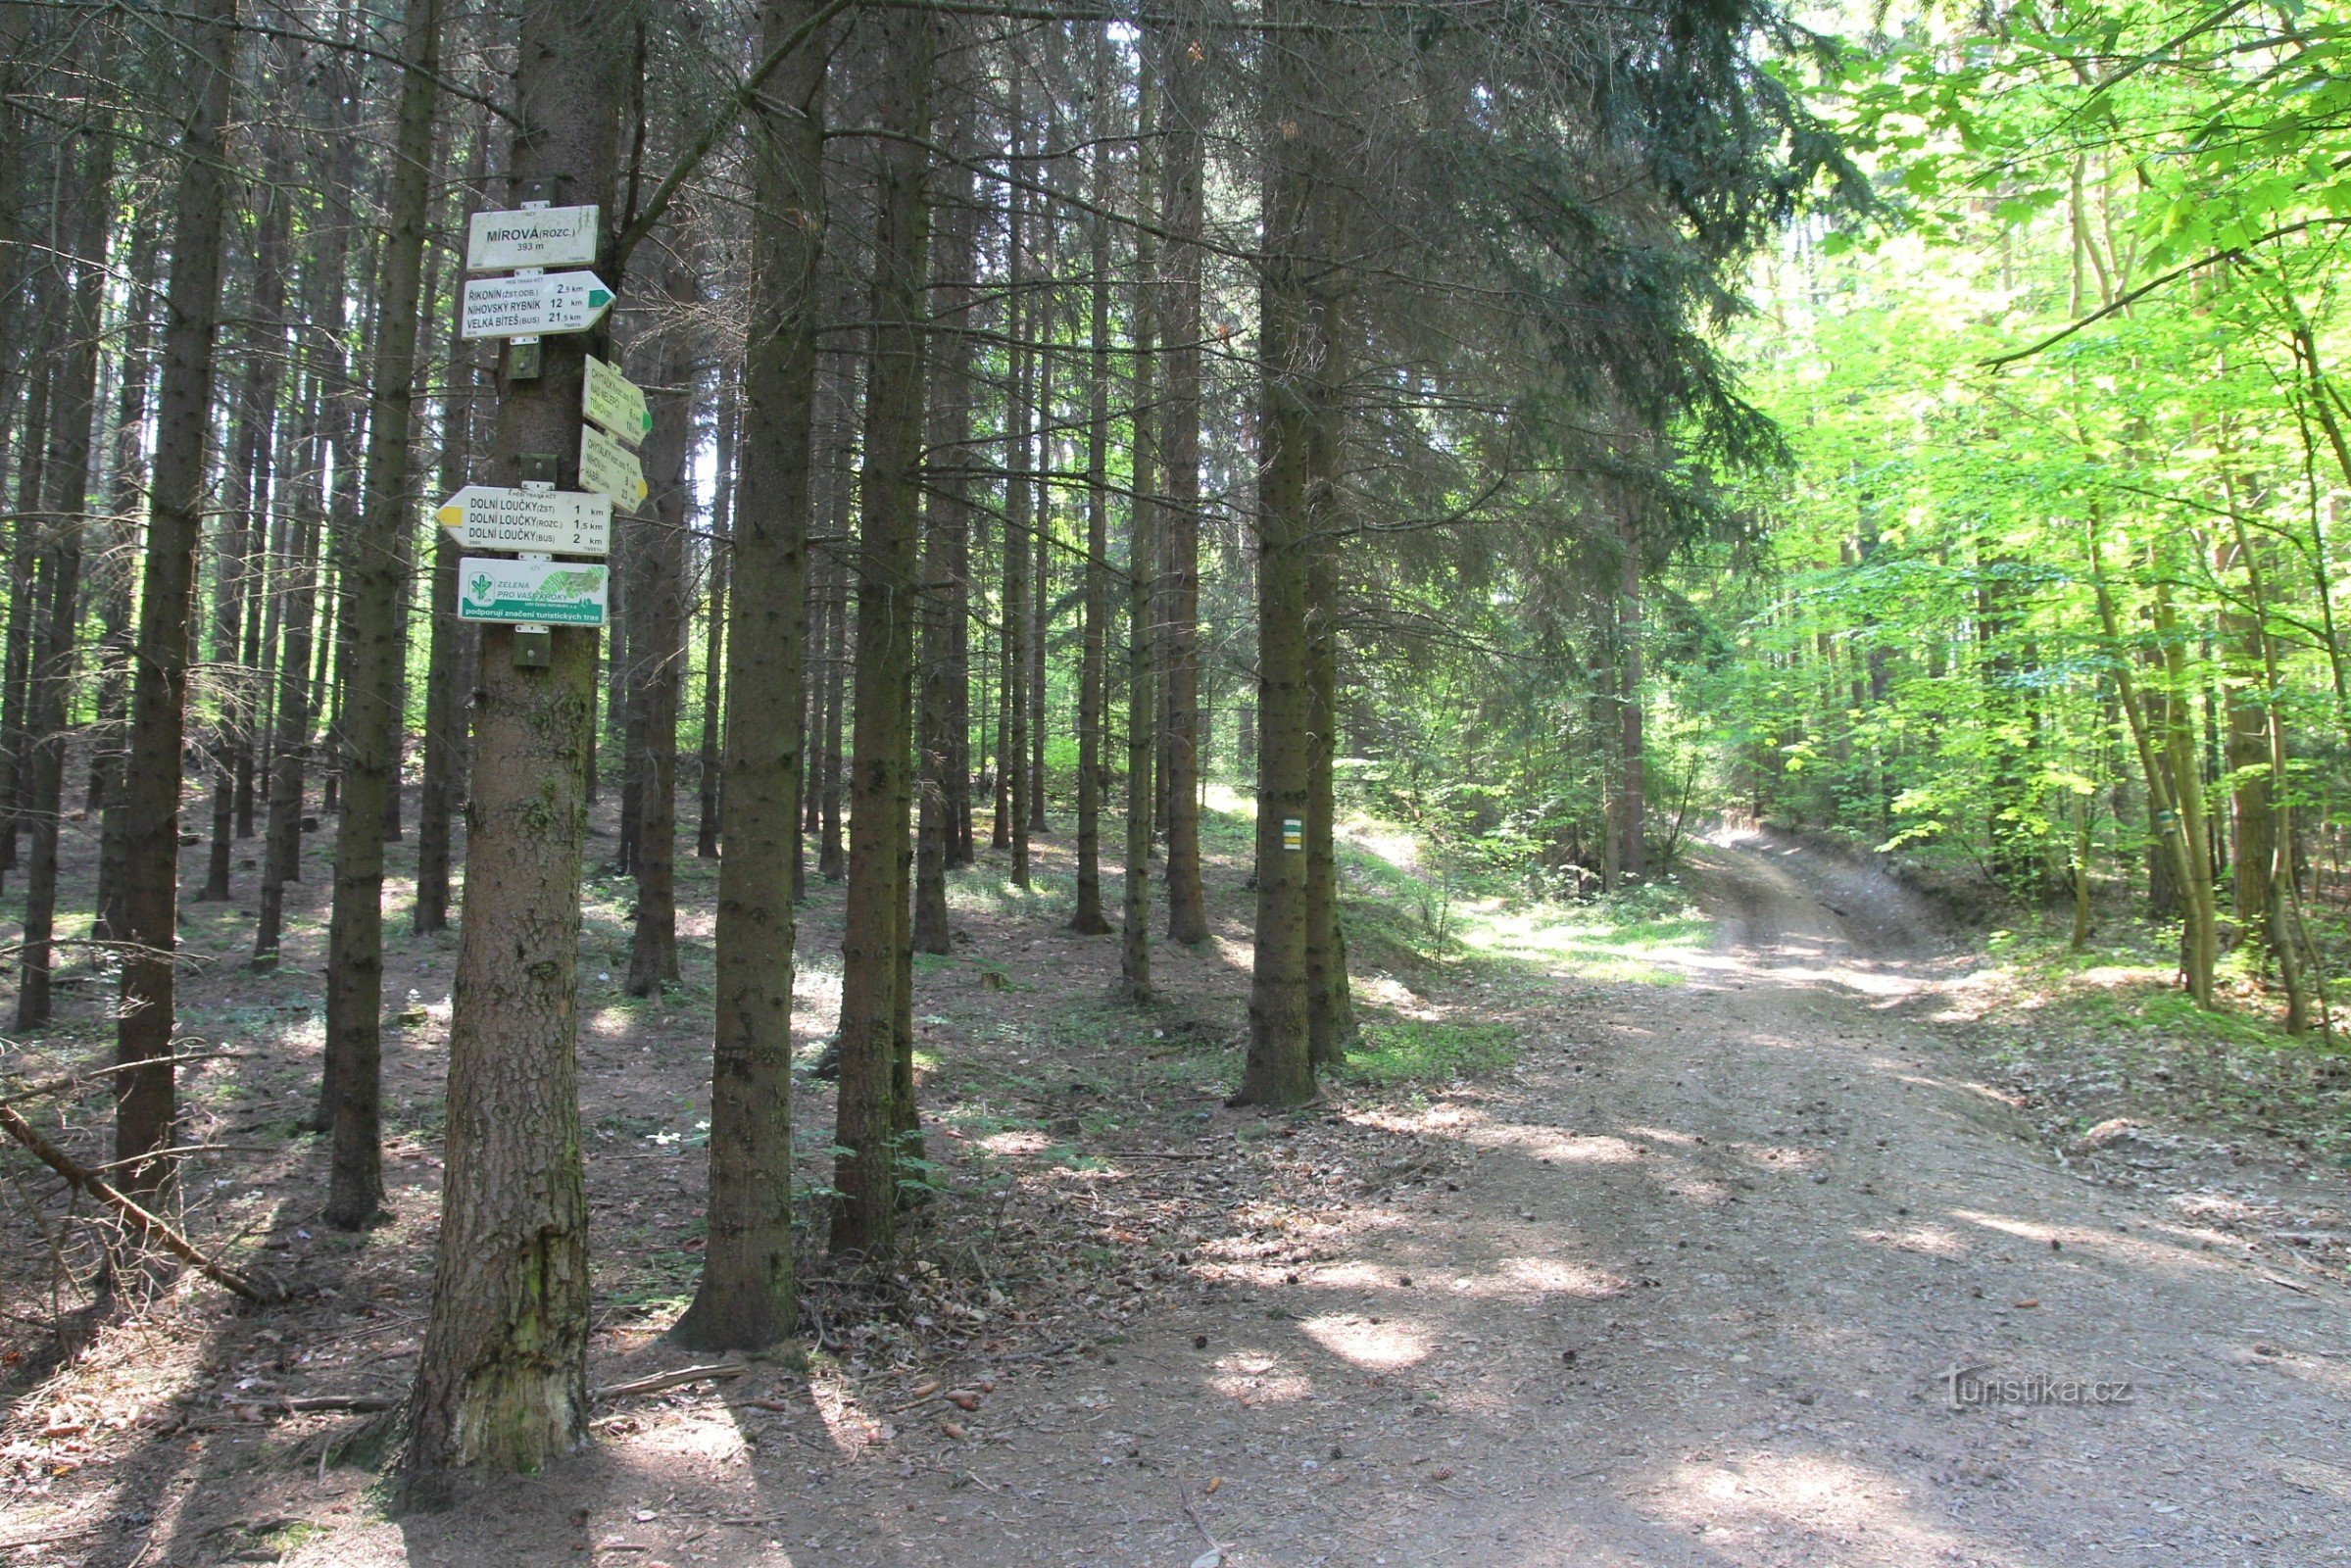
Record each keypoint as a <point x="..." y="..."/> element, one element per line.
<point x="533" y="304"/>
<point x="615" y="402"/>
<point x="568" y="522"/>
<point x="606" y="464"/>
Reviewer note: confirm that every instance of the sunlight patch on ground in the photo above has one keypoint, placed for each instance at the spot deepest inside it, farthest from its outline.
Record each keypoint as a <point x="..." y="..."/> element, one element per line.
<point x="1551" y="1143"/>
<point x="1383" y="1346"/>
<point x="1258" y="1376"/>
<point x="1779" y="1157"/>
<point x="1397" y="846"/>
<point x="1604" y="941"/>
<point x="1230" y="802"/>
<point x="1551" y="1276"/>
<point x="1932" y="1240"/>
<point x="712" y="1442"/>
<point x="1014" y="1143"/>
<point x="851" y="1427"/>
<point x="1772" y="1493"/>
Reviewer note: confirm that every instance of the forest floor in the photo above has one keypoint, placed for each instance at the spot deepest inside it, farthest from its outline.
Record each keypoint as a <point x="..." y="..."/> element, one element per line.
<point x="1638" y="1237"/>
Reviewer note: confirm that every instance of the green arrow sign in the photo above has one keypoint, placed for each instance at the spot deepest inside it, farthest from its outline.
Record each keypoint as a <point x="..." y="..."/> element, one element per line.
<point x="615" y="404"/>
<point x="527" y="306"/>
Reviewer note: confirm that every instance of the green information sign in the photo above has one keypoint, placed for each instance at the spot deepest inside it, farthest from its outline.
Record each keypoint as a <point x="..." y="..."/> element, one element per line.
<point x="1294" y="833"/>
<point x="554" y="593"/>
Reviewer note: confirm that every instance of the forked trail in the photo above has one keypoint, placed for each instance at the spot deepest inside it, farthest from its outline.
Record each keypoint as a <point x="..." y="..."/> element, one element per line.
<point x="1688" y="1289"/>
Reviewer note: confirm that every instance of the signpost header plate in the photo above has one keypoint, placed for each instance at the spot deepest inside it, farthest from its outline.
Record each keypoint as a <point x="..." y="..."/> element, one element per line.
<point x="535" y="236"/>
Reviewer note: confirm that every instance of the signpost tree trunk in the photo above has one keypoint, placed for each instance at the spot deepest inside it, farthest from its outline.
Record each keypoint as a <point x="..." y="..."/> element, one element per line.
<point x="502" y="1380"/>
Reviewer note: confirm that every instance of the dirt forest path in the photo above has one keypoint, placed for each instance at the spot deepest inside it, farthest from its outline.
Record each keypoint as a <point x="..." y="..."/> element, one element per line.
<point x="1685" y="1289"/>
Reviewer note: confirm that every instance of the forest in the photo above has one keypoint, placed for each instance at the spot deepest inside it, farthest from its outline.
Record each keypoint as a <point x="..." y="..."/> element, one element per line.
<point x="1232" y="782"/>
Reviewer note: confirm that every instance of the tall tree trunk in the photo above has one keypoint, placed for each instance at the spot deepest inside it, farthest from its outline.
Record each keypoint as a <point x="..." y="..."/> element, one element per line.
<point x="375" y="566"/>
<point x="1040" y="608"/>
<point x="146" y="1099"/>
<point x="127" y="498"/>
<point x="25" y="579"/>
<point x="1187" y="901"/>
<point x="1092" y="667"/>
<point x="445" y="696"/>
<point x="831" y="861"/>
<point x="1012" y="830"/>
<point x="1330" y="1003"/>
<point x="946" y="540"/>
<point x="2152" y="733"/>
<point x="1296" y="336"/>
<point x="2253" y="822"/>
<point x="661" y="647"/>
<point x="289" y="745"/>
<point x="745" y="1300"/>
<point x="1143" y="556"/>
<point x="2199" y="934"/>
<point x="16" y="366"/>
<point x="68" y="471"/>
<point x="872" y="1120"/>
<point x="502" y="1379"/>
<point x="1633" y="858"/>
<point x="713" y="647"/>
<point x="627" y="677"/>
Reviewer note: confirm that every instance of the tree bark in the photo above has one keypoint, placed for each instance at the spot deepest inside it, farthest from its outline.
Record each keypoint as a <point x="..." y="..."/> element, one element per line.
<point x="1295" y="329"/>
<point x="25" y="584"/>
<point x="1012" y="830"/>
<point x="502" y="1379"/>
<point x="374" y="569"/>
<point x="1633" y="790"/>
<point x="1143" y="514"/>
<point x="1330" y="1005"/>
<point x="745" y="1300"/>
<point x="2252" y="821"/>
<point x="1179" y="631"/>
<point x="69" y="471"/>
<point x="146" y="1097"/>
<point x="661" y="646"/>
<point x="445" y="696"/>
<point x="1087" y="919"/>
<point x="946" y="535"/>
<point x="289" y="747"/>
<point x="872" y="1121"/>
<point x="714" y="648"/>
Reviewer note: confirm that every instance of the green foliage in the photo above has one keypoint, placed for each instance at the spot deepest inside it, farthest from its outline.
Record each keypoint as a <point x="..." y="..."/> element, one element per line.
<point x="1416" y="1051"/>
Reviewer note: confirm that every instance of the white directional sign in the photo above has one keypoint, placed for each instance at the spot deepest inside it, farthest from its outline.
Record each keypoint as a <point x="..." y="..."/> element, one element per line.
<point x="568" y="522"/>
<point x="554" y="593"/>
<point x="525" y="307"/>
<point x="538" y="237"/>
<point x="606" y="464"/>
<point x="615" y="402"/>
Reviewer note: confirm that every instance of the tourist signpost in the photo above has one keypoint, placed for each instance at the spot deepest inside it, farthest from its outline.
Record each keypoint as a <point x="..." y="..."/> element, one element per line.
<point x="530" y="303"/>
<point x="564" y="522"/>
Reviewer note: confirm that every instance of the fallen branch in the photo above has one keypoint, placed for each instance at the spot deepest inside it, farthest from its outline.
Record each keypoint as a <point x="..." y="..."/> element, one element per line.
<point x="53" y="1537"/>
<point x="83" y="1078"/>
<point x="361" y="1404"/>
<point x="665" y="1380"/>
<point x="252" y="1288"/>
